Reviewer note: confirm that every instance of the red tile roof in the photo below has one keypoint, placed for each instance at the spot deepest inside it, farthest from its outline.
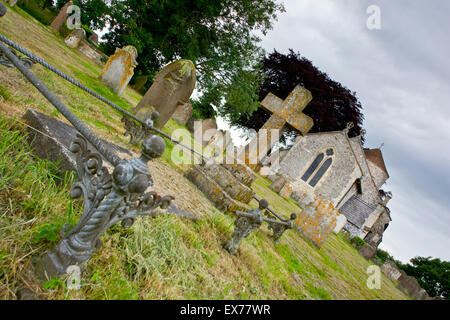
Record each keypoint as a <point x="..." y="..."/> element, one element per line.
<point x="375" y="156"/>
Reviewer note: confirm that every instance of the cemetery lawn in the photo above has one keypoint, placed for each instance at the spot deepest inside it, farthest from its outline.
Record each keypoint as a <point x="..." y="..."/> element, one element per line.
<point x="157" y="258"/>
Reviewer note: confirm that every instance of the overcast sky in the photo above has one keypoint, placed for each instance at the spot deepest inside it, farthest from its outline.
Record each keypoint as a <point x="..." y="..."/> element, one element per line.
<point x="401" y="74"/>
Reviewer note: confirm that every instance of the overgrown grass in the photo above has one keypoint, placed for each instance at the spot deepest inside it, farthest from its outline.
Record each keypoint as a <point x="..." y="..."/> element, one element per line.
<point x="158" y="258"/>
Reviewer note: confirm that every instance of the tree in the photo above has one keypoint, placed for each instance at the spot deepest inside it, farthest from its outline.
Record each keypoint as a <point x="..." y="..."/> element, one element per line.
<point x="433" y="275"/>
<point x="332" y="107"/>
<point x="217" y="35"/>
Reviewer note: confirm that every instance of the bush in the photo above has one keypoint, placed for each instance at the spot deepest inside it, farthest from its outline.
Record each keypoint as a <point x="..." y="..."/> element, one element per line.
<point x="35" y="8"/>
<point x="383" y="256"/>
<point x="357" y="242"/>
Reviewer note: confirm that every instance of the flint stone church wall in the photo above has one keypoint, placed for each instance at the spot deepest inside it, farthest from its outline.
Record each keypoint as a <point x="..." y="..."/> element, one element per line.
<point x="338" y="179"/>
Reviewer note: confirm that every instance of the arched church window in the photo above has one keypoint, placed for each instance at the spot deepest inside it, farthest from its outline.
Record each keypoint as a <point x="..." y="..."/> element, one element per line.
<point x="318" y="167"/>
<point x="313" y="167"/>
<point x="320" y="172"/>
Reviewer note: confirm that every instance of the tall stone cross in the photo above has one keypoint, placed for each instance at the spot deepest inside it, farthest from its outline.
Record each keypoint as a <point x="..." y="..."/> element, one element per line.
<point x="287" y="112"/>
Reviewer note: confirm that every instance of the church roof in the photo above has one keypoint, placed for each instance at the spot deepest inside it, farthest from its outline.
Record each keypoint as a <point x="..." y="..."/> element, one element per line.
<point x="356" y="210"/>
<point x="376" y="157"/>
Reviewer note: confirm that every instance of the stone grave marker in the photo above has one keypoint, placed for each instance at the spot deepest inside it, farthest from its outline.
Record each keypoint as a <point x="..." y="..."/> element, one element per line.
<point x="74" y="38"/>
<point x="171" y="88"/>
<point x="55" y="144"/>
<point x="61" y="17"/>
<point x="119" y="68"/>
<point x="317" y="220"/>
<point x="183" y="113"/>
<point x="287" y="112"/>
<point x="390" y="269"/>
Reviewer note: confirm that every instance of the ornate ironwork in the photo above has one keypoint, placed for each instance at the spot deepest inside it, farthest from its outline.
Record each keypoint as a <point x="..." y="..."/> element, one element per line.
<point x="245" y="223"/>
<point x="279" y="227"/>
<point x="28" y="63"/>
<point x="136" y="131"/>
<point x="108" y="199"/>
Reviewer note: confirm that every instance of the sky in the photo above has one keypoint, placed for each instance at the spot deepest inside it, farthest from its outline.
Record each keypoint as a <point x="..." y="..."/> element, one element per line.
<point x="401" y="75"/>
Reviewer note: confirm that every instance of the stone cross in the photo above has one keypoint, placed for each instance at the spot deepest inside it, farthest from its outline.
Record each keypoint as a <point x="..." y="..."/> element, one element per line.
<point x="287" y="112"/>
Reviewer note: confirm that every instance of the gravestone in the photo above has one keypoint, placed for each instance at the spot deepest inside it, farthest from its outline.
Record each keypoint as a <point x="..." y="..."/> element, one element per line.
<point x="55" y="144"/>
<point x="283" y="113"/>
<point x="94" y="38"/>
<point x="409" y="285"/>
<point x="171" y="87"/>
<point x="227" y="186"/>
<point x="367" y="251"/>
<point x="183" y="113"/>
<point x="341" y="220"/>
<point x="2" y="9"/>
<point x="204" y="130"/>
<point x="61" y="17"/>
<point x="317" y="219"/>
<point x="74" y="38"/>
<point x="390" y="269"/>
<point x="119" y="68"/>
<point x="12" y="3"/>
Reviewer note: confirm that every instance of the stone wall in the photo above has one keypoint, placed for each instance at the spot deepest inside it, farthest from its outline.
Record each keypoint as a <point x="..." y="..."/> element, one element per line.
<point x="379" y="175"/>
<point x="370" y="192"/>
<point x="338" y="179"/>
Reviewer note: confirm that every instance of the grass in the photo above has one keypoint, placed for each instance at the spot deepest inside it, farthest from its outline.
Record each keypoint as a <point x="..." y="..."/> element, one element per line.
<point x="157" y="258"/>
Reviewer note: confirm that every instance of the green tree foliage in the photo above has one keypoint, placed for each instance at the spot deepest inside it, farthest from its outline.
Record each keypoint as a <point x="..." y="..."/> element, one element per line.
<point x="217" y="35"/>
<point x="332" y="107"/>
<point x="433" y="275"/>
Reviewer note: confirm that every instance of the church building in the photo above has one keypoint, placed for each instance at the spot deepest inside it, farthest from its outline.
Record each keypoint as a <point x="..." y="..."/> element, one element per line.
<point x="335" y="167"/>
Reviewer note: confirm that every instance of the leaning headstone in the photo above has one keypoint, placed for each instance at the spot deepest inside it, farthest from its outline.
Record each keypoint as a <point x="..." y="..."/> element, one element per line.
<point x="94" y="38"/>
<point x="140" y="82"/>
<point x="54" y="144"/>
<point x="205" y="130"/>
<point x="74" y="38"/>
<point x="278" y="183"/>
<point x="341" y="220"/>
<point x="317" y="219"/>
<point x="12" y="3"/>
<point x="171" y="87"/>
<point x="119" y="68"/>
<point x="61" y="17"/>
<point x="367" y="251"/>
<point x="390" y="269"/>
<point x="409" y="285"/>
<point x="183" y="113"/>
<point x="2" y="9"/>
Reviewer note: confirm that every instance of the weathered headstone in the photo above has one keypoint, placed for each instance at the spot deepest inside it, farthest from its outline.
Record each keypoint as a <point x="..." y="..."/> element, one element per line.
<point x="390" y="269"/>
<point x="2" y="9"/>
<point x="61" y="17"/>
<point x="341" y="220"/>
<point x="287" y="112"/>
<point x="55" y="144"/>
<point x="367" y="251"/>
<point x="183" y="113"/>
<point x="119" y="68"/>
<point x="94" y="38"/>
<point x="171" y="87"/>
<point x="74" y="38"/>
<point x="409" y="285"/>
<point x="317" y="219"/>
<point x="12" y="3"/>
